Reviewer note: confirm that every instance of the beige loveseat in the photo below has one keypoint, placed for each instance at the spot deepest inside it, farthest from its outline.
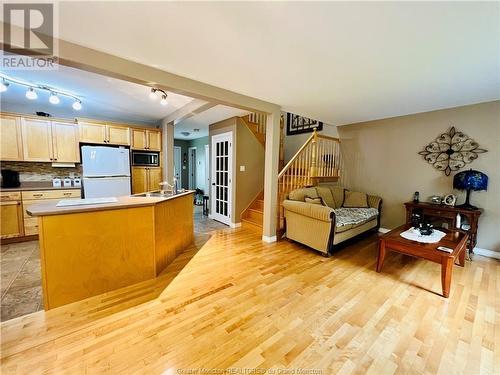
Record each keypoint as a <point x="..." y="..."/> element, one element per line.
<point x="316" y="216"/>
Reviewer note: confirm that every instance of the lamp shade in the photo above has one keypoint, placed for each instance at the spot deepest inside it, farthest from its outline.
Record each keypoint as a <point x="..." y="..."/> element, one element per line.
<point x="470" y="180"/>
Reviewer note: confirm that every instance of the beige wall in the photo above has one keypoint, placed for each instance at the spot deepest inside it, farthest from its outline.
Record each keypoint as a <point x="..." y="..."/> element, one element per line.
<point x="251" y="154"/>
<point x="381" y="157"/>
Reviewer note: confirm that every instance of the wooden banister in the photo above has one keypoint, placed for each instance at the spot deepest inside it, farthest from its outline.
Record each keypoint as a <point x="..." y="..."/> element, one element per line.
<point x="318" y="159"/>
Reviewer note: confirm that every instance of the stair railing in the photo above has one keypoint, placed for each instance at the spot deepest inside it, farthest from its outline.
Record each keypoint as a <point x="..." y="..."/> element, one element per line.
<point x="318" y="159"/>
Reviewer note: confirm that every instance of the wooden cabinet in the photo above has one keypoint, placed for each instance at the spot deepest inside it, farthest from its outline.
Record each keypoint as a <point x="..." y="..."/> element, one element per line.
<point x="145" y="179"/>
<point x="37" y="140"/>
<point x="154" y="140"/>
<point x="30" y="198"/>
<point x="11" y="215"/>
<point x="47" y="141"/>
<point x="118" y="135"/>
<point x="92" y="132"/>
<point x="143" y="139"/>
<point x="104" y="134"/>
<point x="11" y="147"/>
<point x="65" y="142"/>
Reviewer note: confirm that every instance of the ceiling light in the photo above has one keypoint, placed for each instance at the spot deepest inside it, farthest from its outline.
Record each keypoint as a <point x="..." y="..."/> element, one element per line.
<point x="163" y="100"/>
<point x="54" y="99"/>
<point x="31" y="94"/>
<point x="4" y="85"/>
<point x="185" y="134"/>
<point x="152" y="94"/>
<point x="196" y="130"/>
<point x="77" y="105"/>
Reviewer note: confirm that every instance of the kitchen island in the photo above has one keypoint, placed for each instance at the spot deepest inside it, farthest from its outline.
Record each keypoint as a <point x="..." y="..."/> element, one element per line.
<point x="88" y="250"/>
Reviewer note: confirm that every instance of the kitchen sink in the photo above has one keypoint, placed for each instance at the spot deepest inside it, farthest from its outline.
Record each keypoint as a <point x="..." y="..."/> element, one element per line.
<point x="154" y="194"/>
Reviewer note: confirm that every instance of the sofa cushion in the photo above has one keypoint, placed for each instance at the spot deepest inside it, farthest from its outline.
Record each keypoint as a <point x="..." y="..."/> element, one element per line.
<point x="326" y="194"/>
<point x="317" y="200"/>
<point x="353" y="217"/>
<point x="355" y="199"/>
<point x="301" y="194"/>
<point x="338" y="193"/>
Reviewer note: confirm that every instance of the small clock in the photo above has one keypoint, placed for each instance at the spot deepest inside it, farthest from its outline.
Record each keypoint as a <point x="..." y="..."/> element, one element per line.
<point x="450" y="200"/>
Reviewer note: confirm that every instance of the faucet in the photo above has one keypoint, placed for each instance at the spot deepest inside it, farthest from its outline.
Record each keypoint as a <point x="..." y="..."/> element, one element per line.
<point x="172" y="188"/>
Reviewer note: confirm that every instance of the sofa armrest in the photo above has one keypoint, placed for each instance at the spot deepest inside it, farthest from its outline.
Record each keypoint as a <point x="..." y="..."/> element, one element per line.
<point x="314" y="211"/>
<point x="374" y="202"/>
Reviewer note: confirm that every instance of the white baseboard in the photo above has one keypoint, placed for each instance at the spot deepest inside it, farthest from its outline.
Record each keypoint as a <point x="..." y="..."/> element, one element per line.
<point x="487" y="253"/>
<point x="235" y="225"/>
<point x="477" y="250"/>
<point x="269" y="239"/>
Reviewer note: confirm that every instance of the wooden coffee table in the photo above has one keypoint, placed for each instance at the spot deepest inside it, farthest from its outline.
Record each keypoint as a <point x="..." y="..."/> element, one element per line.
<point x="454" y="239"/>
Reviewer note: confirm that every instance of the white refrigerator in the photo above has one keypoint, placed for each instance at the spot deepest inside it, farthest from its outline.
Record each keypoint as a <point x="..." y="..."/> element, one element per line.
<point x="106" y="171"/>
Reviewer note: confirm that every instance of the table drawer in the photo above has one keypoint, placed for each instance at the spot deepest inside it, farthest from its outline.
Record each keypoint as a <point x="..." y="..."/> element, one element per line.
<point x="10" y="195"/>
<point x="440" y="213"/>
<point x="51" y="194"/>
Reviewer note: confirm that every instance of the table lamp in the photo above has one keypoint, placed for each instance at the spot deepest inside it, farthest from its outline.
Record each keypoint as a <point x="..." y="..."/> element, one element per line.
<point x="470" y="180"/>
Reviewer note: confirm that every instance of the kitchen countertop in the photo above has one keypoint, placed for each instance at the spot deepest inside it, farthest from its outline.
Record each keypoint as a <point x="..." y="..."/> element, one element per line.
<point x="50" y="208"/>
<point x="38" y="185"/>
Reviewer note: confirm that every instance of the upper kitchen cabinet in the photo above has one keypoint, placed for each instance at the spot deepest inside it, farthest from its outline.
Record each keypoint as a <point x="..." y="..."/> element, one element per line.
<point x="143" y="139"/>
<point x="92" y="132"/>
<point x="104" y="134"/>
<point x="37" y="140"/>
<point x="65" y="142"/>
<point x="11" y="147"/>
<point x="118" y="135"/>
<point x="47" y="141"/>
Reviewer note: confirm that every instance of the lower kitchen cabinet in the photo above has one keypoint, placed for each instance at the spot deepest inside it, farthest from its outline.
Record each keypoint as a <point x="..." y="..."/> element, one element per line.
<point x="11" y="212"/>
<point x="145" y="179"/>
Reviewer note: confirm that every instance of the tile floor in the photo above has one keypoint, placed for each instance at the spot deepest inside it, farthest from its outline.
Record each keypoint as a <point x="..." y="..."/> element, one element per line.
<point x="20" y="270"/>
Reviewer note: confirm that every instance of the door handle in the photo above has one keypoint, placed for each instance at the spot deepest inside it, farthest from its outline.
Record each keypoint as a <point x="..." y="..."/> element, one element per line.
<point x="213" y="183"/>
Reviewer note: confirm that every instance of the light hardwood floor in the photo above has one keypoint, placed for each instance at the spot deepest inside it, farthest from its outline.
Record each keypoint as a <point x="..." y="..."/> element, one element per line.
<point x="241" y="303"/>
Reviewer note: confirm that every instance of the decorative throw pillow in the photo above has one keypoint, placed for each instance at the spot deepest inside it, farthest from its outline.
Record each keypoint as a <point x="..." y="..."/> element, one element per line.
<point x="355" y="199"/>
<point x="314" y="200"/>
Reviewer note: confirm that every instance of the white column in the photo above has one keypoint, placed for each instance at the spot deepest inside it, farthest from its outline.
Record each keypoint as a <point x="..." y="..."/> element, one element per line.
<point x="271" y="176"/>
<point x="168" y="150"/>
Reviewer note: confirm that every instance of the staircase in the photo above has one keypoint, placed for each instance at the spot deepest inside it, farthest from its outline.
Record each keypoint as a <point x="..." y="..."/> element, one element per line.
<point x="253" y="216"/>
<point x="318" y="160"/>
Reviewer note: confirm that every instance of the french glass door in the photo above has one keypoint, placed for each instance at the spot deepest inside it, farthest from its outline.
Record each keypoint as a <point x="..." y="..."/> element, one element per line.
<point x="222" y="159"/>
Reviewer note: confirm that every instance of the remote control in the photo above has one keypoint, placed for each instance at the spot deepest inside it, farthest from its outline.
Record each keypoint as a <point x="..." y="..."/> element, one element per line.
<point x="445" y="249"/>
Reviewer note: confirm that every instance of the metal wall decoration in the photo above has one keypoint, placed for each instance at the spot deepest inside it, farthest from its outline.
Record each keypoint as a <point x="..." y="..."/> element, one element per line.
<point x="296" y="124"/>
<point x="451" y="151"/>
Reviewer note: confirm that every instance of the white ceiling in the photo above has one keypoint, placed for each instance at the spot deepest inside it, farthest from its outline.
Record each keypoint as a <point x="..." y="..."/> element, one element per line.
<point x="340" y="62"/>
<point x="102" y="97"/>
<point x="202" y="120"/>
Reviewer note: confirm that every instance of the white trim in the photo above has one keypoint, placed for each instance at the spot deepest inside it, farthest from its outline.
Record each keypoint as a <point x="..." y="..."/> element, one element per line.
<point x="235" y="225"/>
<point x="383" y="230"/>
<point x="178" y="149"/>
<point x="486" y="253"/>
<point x="269" y="239"/>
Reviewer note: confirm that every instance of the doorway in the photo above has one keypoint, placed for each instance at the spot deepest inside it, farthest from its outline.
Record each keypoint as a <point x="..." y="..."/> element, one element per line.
<point x="178" y="165"/>
<point x="192" y="168"/>
<point x="222" y="161"/>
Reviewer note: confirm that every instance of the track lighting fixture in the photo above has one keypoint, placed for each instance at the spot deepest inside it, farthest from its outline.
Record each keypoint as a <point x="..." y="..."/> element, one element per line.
<point x="163" y="100"/>
<point x="4" y="85"/>
<point x="154" y="93"/>
<point x="54" y="99"/>
<point x="31" y="94"/>
<point x="77" y="105"/>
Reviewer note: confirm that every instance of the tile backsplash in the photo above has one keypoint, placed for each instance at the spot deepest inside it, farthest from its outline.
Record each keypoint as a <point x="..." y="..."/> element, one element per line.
<point x="30" y="171"/>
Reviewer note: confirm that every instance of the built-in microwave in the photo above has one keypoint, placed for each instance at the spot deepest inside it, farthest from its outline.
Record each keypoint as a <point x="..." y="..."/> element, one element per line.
<point x="146" y="158"/>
